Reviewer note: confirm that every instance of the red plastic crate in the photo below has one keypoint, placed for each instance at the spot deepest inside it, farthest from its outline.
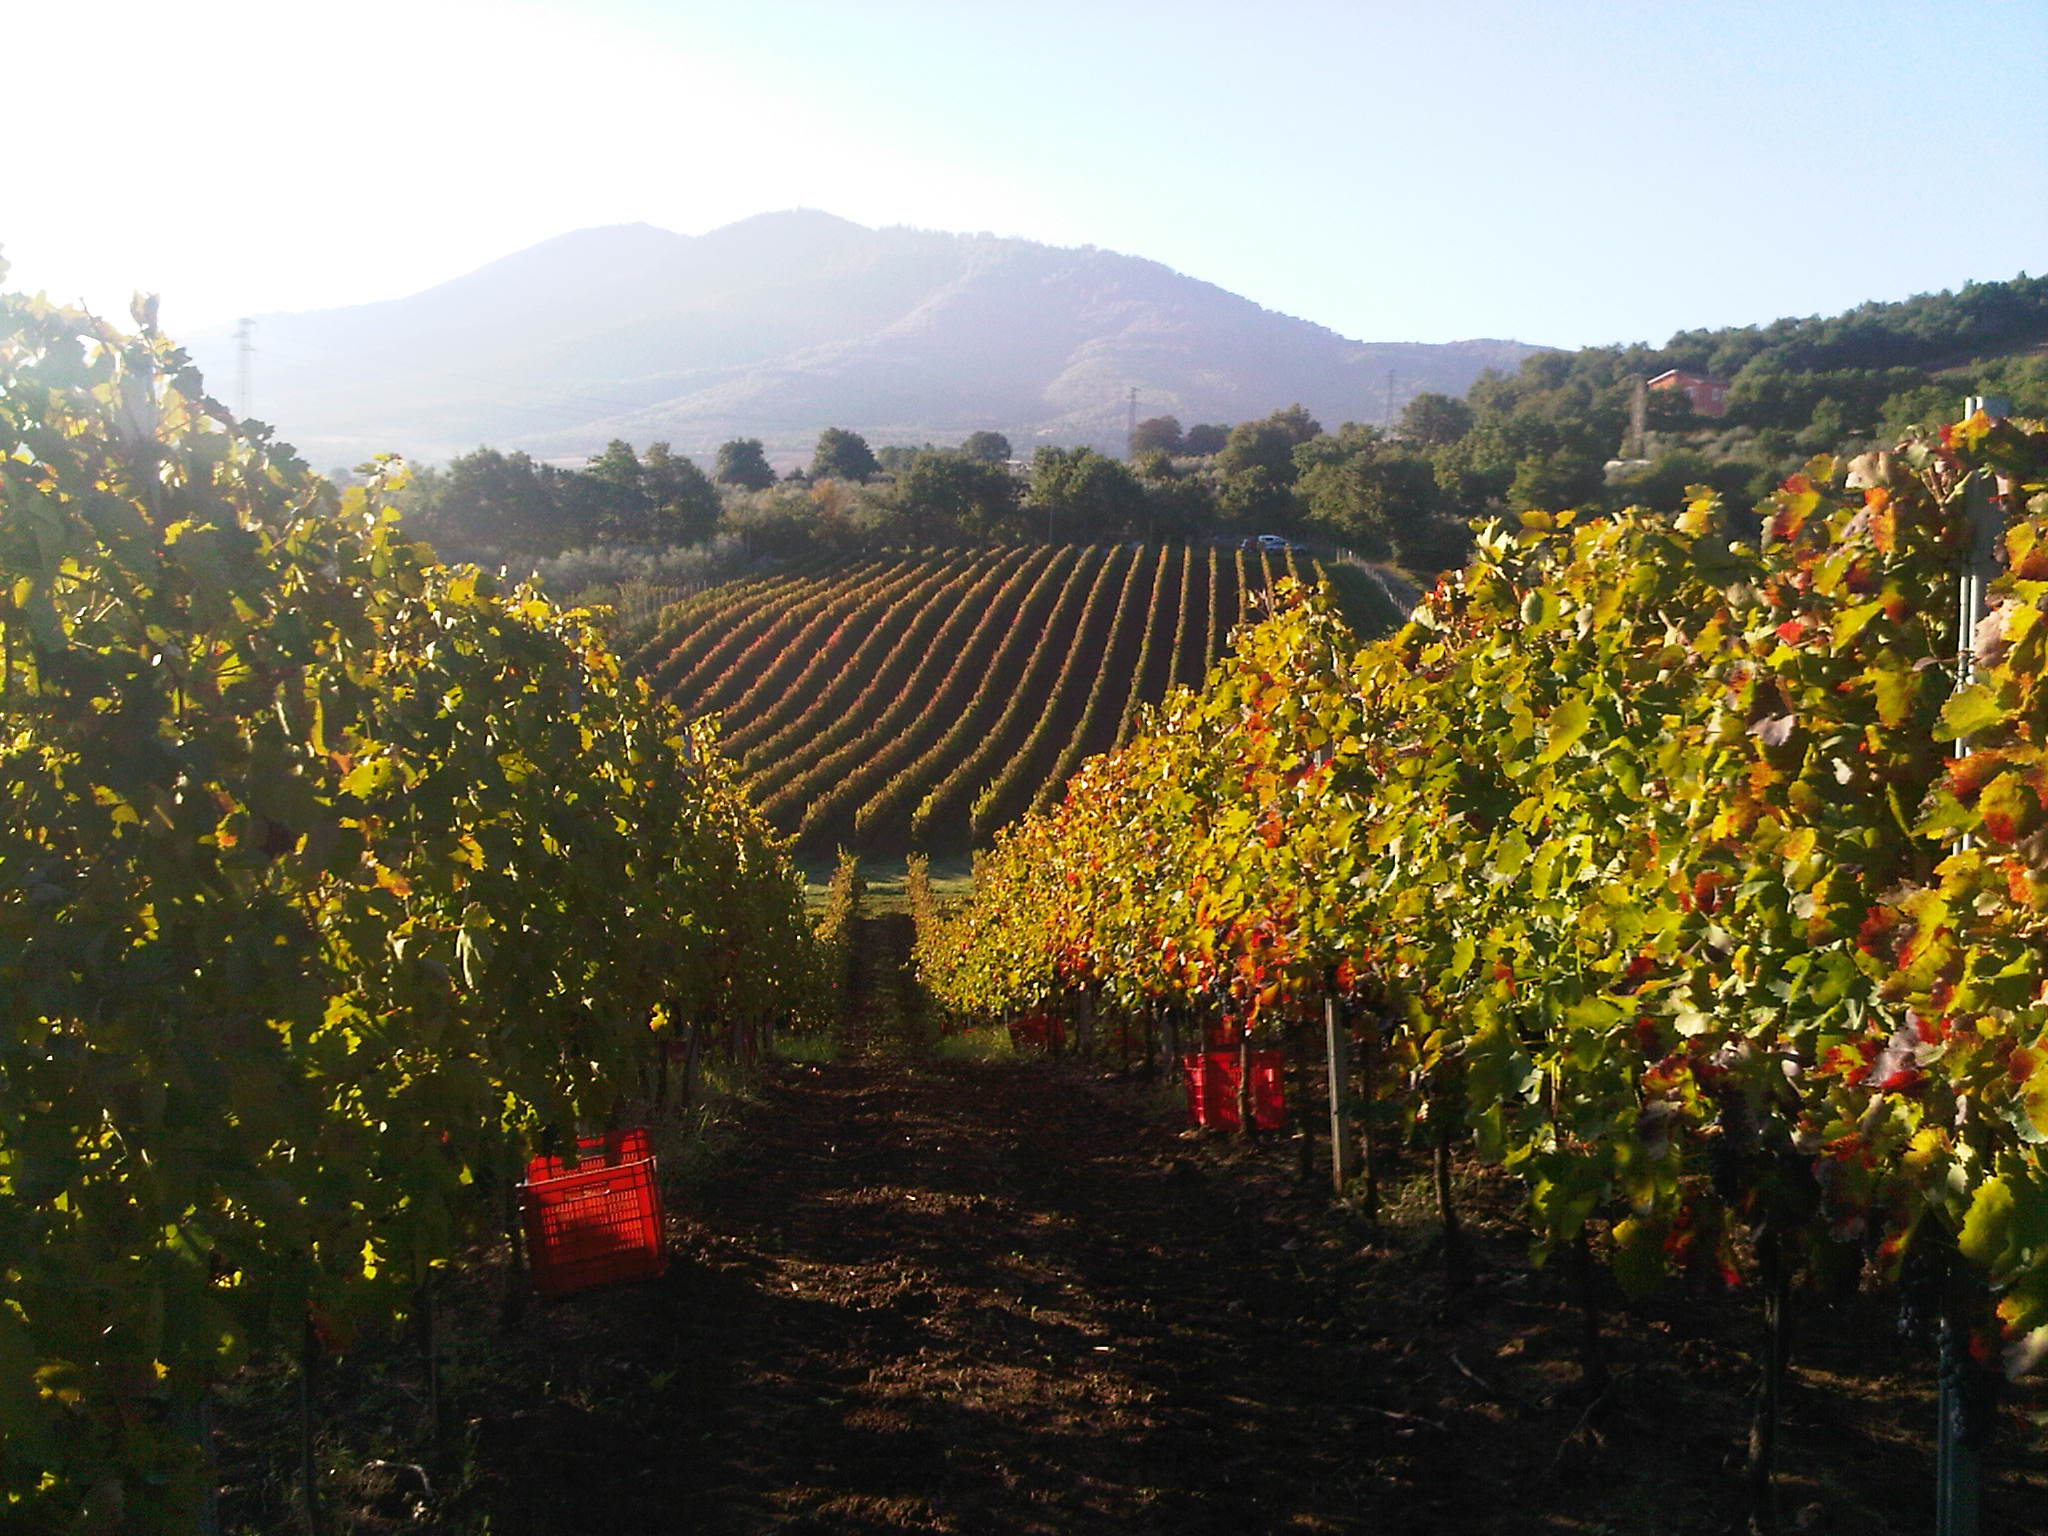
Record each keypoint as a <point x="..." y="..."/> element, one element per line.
<point x="1038" y="1031"/>
<point x="620" y="1147"/>
<point x="1212" y="1088"/>
<point x="597" y="1225"/>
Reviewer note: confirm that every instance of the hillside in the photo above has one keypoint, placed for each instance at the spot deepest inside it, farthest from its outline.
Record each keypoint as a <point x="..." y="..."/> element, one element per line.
<point x="923" y="701"/>
<point x="784" y="324"/>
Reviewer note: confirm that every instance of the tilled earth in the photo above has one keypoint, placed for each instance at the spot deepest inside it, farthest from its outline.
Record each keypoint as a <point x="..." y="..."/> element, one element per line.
<point x="924" y="1296"/>
<point x="967" y="1299"/>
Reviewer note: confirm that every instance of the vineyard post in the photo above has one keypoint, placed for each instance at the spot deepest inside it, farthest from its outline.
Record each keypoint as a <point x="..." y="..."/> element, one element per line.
<point x="692" y="1059"/>
<point x="1958" y="1462"/>
<point x="1368" y="1105"/>
<point x="1247" y="1115"/>
<point x="423" y="1307"/>
<point x="192" y="1417"/>
<point x="309" y="1477"/>
<point x="514" y="1300"/>
<point x="1343" y="1156"/>
<point x="1301" y="1071"/>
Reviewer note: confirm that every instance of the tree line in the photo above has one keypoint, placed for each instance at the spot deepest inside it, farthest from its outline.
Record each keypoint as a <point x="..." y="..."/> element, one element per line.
<point x="1556" y="433"/>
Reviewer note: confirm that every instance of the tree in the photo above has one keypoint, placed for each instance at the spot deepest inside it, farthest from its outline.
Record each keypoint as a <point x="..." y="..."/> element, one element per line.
<point x="618" y="466"/>
<point x="987" y="447"/>
<point x="1203" y="439"/>
<point x="505" y="504"/>
<point x="942" y="492"/>
<point x="1367" y="494"/>
<point x="1152" y="464"/>
<point x="1099" y="497"/>
<point x="617" y="493"/>
<point x="1258" y="470"/>
<point x="782" y="521"/>
<point x="1179" y="507"/>
<point x="1156" y="432"/>
<point x="843" y="455"/>
<point x="897" y="457"/>
<point x="1548" y="482"/>
<point x="684" y="502"/>
<point x="1268" y="444"/>
<point x="741" y="462"/>
<point x="1431" y="419"/>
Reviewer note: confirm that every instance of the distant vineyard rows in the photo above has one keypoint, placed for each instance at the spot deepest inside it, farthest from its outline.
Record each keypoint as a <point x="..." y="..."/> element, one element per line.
<point x="923" y="700"/>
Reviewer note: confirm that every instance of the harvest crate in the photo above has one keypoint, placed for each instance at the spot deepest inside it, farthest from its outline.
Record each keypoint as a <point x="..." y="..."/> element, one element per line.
<point x="1212" y="1088"/>
<point x="598" y="1223"/>
<point x="1038" y="1031"/>
<point x="615" y="1150"/>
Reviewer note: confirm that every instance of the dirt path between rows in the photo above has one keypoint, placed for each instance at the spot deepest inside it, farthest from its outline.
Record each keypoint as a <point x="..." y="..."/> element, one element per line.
<point x="954" y="1299"/>
<point x="922" y="1296"/>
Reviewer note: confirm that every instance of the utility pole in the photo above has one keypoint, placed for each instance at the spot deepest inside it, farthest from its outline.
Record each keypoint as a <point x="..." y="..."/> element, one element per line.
<point x="1131" y="428"/>
<point x="245" y="367"/>
<point x="1389" y="418"/>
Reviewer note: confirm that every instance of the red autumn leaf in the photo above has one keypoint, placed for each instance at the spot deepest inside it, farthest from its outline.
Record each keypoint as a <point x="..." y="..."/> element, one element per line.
<point x="1967" y="775"/>
<point x="1878" y="922"/>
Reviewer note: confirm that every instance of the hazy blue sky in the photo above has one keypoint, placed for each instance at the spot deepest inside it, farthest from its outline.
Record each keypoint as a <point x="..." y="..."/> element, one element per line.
<point x="1557" y="172"/>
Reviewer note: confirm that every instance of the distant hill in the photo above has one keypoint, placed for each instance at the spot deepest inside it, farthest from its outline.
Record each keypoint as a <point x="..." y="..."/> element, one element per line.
<point x="787" y="323"/>
<point x="924" y="701"/>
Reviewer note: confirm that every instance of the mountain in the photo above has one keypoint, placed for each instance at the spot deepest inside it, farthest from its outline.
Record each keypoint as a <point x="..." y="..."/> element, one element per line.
<point x="784" y="324"/>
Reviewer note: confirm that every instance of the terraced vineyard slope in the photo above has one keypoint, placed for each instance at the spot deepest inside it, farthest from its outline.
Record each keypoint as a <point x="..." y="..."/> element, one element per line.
<point x="921" y="701"/>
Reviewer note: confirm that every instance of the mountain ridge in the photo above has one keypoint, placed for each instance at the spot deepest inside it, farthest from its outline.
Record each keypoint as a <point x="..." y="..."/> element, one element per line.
<point x="787" y="322"/>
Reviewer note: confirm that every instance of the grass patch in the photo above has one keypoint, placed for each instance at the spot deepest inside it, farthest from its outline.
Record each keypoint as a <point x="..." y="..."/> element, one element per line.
<point x="989" y="1044"/>
<point x="952" y="879"/>
<point x="815" y="1048"/>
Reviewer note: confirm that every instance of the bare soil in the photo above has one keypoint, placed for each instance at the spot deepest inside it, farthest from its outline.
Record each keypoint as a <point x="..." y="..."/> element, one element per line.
<point x="925" y="1296"/>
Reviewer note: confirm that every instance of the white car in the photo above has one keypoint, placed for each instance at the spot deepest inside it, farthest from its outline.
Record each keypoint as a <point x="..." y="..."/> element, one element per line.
<point x="1274" y="543"/>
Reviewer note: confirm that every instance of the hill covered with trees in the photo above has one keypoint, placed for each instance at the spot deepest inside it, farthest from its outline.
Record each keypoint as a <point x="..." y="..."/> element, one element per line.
<point x="1557" y="432"/>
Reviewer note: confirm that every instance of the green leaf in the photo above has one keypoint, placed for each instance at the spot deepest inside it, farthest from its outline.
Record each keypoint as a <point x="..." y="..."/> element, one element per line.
<point x="1509" y="857"/>
<point x="1567" y="724"/>
<point x="1970" y="711"/>
<point x="1987" y="1229"/>
<point x="1639" y="1262"/>
<point x="1895" y="688"/>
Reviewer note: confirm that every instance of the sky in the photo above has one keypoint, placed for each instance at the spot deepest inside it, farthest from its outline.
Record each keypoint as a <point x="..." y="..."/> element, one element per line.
<point x="1561" y="173"/>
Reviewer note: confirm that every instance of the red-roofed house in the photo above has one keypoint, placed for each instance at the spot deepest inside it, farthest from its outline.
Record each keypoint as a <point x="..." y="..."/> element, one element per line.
<point x="1709" y="397"/>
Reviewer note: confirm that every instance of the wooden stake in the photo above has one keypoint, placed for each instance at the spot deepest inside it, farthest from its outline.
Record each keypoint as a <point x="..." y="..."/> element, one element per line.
<point x="1337" y="1052"/>
<point x="309" y="1477"/>
<point x="1247" y="1121"/>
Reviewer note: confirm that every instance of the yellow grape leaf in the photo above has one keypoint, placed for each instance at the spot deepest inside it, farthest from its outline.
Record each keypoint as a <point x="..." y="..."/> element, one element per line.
<point x="1894" y="687"/>
<point x="1568" y="722"/>
<point x="1970" y="711"/>
<point x="1987" y="1230"/>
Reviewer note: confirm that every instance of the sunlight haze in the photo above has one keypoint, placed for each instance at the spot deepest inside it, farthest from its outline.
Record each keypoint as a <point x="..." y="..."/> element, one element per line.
<point x="1557" y="173"/>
